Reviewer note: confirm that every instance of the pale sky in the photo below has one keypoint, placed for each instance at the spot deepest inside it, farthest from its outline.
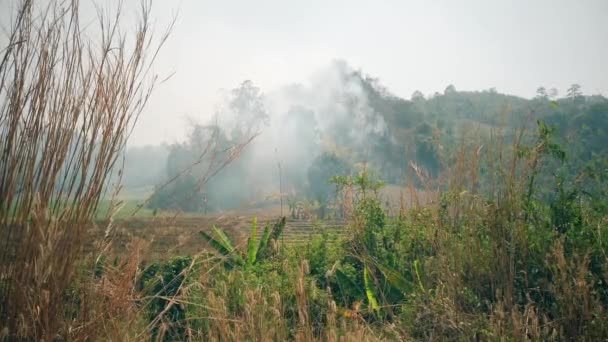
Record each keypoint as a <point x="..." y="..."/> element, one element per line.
<point x="514" y="45"/>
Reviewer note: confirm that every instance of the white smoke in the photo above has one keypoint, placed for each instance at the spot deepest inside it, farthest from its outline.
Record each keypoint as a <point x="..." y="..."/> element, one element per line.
<point x="331" y="108"/>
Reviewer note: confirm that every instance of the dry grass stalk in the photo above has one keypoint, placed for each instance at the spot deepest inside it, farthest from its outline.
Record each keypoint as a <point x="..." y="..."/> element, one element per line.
<point x="68" y="105"/>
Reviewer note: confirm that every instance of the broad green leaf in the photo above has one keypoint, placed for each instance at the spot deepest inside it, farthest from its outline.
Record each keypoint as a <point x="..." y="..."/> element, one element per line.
<point x="395" y="279"/>
<point x="252" y="243"/>
<point x="277" y="229"/>
<point x="214" y="243"/>
<point x="223" y="239"/>
<point x="263" y="243"/>
<point x="346" y="282"/>
<point x="416" y="268"/>
<point x="223" y="245"/>
<point x="368" y="281"/>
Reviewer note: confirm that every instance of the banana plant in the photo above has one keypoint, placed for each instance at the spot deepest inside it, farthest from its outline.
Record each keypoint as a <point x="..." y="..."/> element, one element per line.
<point x="369" y="289"/>
<point x="391" y="279"/>
<point x="255" y="251"/>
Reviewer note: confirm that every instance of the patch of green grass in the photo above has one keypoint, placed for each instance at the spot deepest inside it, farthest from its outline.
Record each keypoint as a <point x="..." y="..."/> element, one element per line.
<point x="126" y="209"/>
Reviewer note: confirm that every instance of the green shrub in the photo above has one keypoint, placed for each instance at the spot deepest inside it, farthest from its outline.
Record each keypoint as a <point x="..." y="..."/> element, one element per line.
<point x="162" y="284"/>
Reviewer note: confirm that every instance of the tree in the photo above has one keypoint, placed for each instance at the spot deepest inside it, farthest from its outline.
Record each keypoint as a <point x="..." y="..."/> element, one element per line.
<point x="193" y="170"/>
<point x="574" y="91"/>
<point x="427" y="155"/>
<point x="449" y="90"/>
<point x="299" y="127"/>
<point x="322" y="169"/>
<point x="541" y="93"/>
<point x="247" y="105"/>
<point x="417" y="96"/>
<point x="210" y="149"/>
<point x="553" y="93"/>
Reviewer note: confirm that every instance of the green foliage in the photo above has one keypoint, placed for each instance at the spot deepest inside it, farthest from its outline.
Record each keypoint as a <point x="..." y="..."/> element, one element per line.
<point x="518" y="248"/>
<point x="254" y="254"/>
<point x="369" y="290"/>
<point x="161" y="282"/>
<point x="323" y="168"/>
<point x="252" y="247"/>
<point x="366" y="269"/>
<point x="266" y="236"/>
<point x="198" y="178"/>
<point x="372" y="217"/>
<point x="223" y="245"/>
<point x="364" y="183"/>
<point x="183" y="193"/>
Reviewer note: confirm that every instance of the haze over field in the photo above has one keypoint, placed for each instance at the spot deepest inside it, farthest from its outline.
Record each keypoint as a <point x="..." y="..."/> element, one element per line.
<point x="513" y="46"/>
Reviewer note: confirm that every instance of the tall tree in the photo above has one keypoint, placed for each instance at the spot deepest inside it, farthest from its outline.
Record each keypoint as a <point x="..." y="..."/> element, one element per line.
<point x="574" y="91"/>
<point x="553" y="93"/>
<point x="417" y="96"/>
<point x="246" y="103"/>
<point x="449" y="90"/>
<point x="323" y="168"/>
<point x="541" y="93"/>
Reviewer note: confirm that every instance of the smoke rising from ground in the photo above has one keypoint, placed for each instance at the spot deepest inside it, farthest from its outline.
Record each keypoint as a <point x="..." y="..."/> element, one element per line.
<point x="294" y="125"/>
<point x="330" y="112"/>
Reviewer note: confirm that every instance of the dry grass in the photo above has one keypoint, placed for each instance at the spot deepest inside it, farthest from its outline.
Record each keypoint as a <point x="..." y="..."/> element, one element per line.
<point x="68" y="105"/>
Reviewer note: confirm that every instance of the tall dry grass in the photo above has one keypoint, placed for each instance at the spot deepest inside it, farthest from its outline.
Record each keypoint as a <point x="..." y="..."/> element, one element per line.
<point x="70" y="96"/>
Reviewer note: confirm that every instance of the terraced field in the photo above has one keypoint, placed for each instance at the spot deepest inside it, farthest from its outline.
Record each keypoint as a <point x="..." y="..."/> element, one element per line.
<point x="301" y="231"/>
<point x="179" y="236"/>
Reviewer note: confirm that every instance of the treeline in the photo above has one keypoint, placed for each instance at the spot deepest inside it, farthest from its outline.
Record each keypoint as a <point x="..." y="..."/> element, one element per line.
<point x="424" y="132"/>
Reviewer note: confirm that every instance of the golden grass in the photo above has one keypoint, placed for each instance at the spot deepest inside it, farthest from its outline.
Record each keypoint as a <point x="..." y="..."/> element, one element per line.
<point x="68" y="105"/>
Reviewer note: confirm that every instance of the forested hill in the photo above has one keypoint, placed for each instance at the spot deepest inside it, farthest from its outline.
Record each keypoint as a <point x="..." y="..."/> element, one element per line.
<point x="485" y="107"/>
<point x="430" y="123"/>
<point x="349" y="120"/>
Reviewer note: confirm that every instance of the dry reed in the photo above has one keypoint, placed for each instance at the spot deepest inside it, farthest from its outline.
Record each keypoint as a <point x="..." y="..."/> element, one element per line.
<point x="69" y="102"/>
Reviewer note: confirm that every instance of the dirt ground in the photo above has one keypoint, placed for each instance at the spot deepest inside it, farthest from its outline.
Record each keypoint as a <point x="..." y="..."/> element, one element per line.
<point x="175" y="235"/>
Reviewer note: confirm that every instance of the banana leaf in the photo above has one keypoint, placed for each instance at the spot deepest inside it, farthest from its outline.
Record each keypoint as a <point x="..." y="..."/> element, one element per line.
<point x="222" y="244"/>
<point x="369" y="292"/>
<point x="395" y="279"/>
<point x="346" y="282"/>
<point x="252" y="243"/>
<point x="277" y="229"/>
<point x="263" y="243"/>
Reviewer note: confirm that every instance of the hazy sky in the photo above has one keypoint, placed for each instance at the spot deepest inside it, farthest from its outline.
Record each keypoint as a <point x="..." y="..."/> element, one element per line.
<point x="513" y="45"/>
